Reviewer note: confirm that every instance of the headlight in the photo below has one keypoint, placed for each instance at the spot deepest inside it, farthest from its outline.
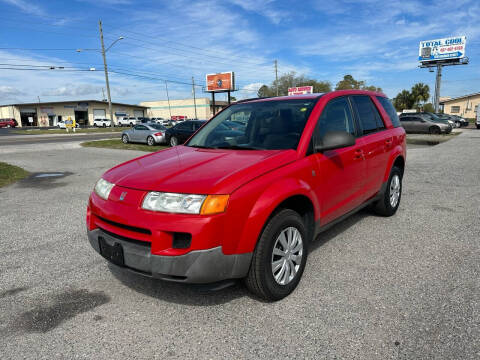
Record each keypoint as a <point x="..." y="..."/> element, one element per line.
<point x="103" y="188"/>
<point x="185" y="203"/>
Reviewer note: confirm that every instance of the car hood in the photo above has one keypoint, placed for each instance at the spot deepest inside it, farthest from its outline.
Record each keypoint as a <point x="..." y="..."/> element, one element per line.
<point x="185" y="169"/>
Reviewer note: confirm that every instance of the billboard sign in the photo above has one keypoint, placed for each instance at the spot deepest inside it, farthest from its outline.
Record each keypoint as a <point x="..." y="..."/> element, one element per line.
<point x="300" y="90"/>
<point x="442" y="49"/>
<point x="221" y="82"/>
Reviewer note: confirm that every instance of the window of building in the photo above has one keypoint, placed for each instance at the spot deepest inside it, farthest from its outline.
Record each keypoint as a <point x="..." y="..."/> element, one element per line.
<point x="455" y="109"/>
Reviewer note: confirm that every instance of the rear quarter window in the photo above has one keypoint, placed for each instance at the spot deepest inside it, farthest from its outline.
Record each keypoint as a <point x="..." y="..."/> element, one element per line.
<point x="390" y="110"/>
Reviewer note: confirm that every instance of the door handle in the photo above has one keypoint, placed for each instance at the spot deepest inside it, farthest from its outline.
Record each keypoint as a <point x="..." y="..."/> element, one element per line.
<point x="388" y="142"/>
<point x="358" y="155"/>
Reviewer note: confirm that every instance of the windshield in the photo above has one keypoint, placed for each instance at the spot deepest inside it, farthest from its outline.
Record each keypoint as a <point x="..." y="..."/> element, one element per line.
<point x="263" y="125"/>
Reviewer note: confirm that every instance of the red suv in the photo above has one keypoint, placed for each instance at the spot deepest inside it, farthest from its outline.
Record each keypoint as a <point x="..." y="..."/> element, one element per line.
<point x="8" y="123"/>
<point x="247" y="203"/>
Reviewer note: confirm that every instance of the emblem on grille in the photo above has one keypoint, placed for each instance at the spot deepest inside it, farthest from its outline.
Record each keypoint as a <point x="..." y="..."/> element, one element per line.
<point x="122" y="195"/>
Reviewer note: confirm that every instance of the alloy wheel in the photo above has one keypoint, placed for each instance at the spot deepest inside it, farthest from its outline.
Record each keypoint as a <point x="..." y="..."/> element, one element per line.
<point x="287" y="255"/>
<point x="394" y="190"/>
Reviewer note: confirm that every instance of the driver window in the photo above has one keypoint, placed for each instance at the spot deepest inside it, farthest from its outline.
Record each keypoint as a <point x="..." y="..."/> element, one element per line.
<point x="336" y="116"/>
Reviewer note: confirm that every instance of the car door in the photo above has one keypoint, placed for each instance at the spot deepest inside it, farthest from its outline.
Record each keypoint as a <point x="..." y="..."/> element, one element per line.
<point x="339" y="173"/>
<point x="141" y="132"/>
<point x="183" y="131"/>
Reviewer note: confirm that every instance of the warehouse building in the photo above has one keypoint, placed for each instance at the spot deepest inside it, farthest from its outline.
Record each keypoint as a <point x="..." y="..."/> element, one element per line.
<point x="83" y="112"/>
<point x="465" y="106"/>
<point x="185" y="108"/>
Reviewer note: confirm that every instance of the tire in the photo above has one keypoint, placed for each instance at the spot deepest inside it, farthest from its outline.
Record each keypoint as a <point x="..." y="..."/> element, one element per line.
<point x="435" y="130"/>
<point x="262" y="280"/>
<point x="125" y="139"/>
<point x="457" y="124"/>
<point x="173" y="141"/>
<point x="104" y="125"/>
<point x="150" y="141"/>
<point x="478" y="126"/>
<point x="131" y="124"/>
<point x="94" y="125"/>
<point x="388" y="204"/>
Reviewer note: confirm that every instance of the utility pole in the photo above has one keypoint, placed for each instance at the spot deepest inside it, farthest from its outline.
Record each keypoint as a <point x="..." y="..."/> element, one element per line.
<point x="103" y="94"/>
<point x="276" y="75"/>
<point x="194" y="99"/>
<point x="437" y="87"/>
<point x="106" y="72"/>
<point x="168" y="99"/>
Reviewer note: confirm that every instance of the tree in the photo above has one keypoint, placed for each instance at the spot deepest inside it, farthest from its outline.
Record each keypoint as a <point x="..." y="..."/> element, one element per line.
<point x="415" y="98"/>
<point x="403" y="100"/>
<point x="428" y="107"/>
<point x="349" y="83"/>
<point x="292" y="80"/>
<point x="420" y="93"/>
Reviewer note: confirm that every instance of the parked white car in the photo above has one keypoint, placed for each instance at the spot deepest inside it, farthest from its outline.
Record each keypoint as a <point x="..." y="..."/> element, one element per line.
<point x="129" y="121"/>
<point x="102" y="122"/>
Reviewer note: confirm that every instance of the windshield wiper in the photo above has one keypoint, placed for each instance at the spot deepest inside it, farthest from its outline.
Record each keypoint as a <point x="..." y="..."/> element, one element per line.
<point x="202" y="147"/>
<point x="236" y="147"/>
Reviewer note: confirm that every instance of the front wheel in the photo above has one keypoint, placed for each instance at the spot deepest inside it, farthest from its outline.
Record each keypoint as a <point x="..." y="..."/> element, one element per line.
<point x="279" y="257"/>
<point x="435" y="130"/>
<point x="173" y="141"/>
<point x="390" y="200"/>
<point x="150" y="141"/>
<point x="125" y="139"/>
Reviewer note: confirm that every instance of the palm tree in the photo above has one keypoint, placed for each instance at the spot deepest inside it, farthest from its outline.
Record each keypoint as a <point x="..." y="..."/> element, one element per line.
<point x="403" y="100"/>
<point x="420" y="93"/>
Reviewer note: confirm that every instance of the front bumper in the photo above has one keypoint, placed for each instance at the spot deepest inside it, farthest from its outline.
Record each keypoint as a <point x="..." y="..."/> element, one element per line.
<point x="197" y="266"/>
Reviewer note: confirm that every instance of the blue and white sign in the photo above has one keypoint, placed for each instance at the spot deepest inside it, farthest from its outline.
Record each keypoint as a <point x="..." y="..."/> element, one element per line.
<point x="442" y="49"/>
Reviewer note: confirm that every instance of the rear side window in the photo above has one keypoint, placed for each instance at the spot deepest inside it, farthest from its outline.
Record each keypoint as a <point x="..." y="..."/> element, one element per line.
<point x="365" y="110"/>
<point x="335" y="117"/>
<point x="390" y="110"/>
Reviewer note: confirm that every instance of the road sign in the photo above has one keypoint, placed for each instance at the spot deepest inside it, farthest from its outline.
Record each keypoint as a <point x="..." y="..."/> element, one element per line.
<point x="452" y="48"/>
<point x="300" y="90"/>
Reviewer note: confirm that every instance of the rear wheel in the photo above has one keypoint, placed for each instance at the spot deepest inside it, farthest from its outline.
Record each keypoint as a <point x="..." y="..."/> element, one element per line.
<point x="435" y="130"/>
<point x="388" y="204"/>
<point x="125" y="139"/>
<point x="131" y="124"/>
<point x="104" y="125"/>
<point x="279" y="257"/>
<point x="150" y="141"/>
<point x="173" y="141"/>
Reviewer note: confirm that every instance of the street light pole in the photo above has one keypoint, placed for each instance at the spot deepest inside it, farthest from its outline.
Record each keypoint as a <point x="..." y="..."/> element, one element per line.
<point x="106" y="72"/>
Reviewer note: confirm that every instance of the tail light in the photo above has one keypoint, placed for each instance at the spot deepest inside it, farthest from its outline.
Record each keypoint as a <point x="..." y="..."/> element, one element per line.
<point x="158" y="134"/>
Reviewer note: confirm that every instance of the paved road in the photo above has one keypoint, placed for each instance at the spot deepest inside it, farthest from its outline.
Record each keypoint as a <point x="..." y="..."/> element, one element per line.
<point x="405" y="287"/>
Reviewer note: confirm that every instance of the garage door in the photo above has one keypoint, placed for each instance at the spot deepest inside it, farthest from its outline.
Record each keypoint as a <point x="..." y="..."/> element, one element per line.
<point x="138" y="113"/>
<point x="98" y="113"/>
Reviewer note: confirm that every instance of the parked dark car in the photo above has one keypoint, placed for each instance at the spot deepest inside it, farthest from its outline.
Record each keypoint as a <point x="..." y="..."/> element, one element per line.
<point x="424" y="123"/>
<point x="458" y="120"/>
<point x="180" y="133"/>
<point x="8" y="123"/>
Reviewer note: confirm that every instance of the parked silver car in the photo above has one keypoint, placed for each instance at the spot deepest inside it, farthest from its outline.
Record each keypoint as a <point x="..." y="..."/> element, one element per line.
<point x="150" y="134"/>
<point x="423" y="123"/>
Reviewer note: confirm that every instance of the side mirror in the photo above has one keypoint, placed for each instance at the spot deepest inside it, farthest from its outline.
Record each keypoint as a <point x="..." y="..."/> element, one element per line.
<point x="335" y="140"/>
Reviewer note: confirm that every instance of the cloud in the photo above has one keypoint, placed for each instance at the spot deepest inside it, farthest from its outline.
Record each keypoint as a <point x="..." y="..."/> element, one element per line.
<point x="26" y="7"/>
<point x="263" y="7"/>
<point x="74" y="90"/>
<point x="8" y="91"/>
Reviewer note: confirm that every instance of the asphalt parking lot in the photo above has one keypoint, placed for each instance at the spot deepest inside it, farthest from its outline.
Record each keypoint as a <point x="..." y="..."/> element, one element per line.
<point x="405" y="287"/>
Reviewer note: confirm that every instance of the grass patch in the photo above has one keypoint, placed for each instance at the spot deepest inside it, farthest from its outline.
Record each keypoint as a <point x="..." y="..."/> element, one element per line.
<point x="63" y="131"/>
<point x="118" y="144"/>
<point x="427" y="139"/>
<point x="10" y="174"/>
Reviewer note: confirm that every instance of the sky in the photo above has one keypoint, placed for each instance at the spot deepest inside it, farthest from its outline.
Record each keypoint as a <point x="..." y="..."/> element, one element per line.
<point x="169" y="42"/>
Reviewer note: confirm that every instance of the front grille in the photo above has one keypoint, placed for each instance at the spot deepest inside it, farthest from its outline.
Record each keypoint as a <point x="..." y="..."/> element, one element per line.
<point x="126" y="227"/>
<point x="127" y="239"/>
